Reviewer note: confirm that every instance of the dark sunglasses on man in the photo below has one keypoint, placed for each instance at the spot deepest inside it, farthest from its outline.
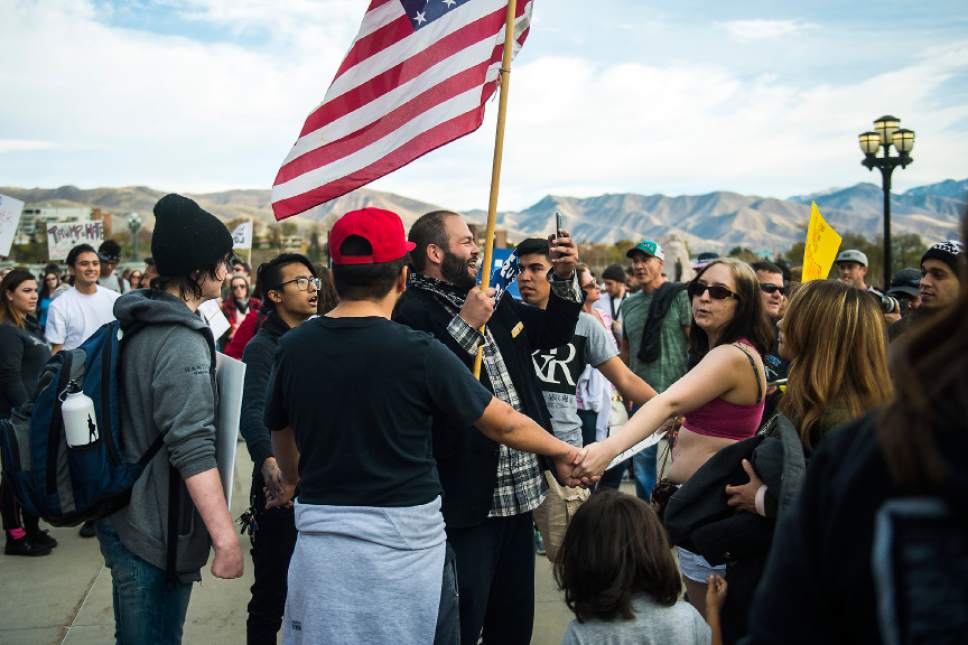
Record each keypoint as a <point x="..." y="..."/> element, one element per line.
<point x="716" y="292"/>
<point x="772" y="288"/>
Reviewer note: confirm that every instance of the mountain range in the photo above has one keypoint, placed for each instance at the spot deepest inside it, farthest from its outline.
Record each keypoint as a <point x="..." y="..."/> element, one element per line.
<point x="714" y="221"/>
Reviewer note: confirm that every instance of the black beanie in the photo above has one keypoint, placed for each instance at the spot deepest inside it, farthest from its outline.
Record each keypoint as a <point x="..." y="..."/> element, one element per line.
<point x="614" y="272"/>
<point x="947" y="252"/>
<point x="187" y="238"/>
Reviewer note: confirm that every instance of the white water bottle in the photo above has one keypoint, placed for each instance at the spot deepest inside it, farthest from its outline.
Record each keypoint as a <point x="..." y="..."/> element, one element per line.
<point x="80" y="422"/>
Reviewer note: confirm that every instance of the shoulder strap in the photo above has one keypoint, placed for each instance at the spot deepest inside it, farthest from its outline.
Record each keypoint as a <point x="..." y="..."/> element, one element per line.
<point x="756" y="372"/>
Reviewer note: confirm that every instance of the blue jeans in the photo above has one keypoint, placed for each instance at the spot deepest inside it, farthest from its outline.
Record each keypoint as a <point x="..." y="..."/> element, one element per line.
<point x="148" y="610"/>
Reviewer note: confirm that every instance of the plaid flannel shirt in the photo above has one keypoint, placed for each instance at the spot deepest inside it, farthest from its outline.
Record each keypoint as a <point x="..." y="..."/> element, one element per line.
<point x="519" y="486"/>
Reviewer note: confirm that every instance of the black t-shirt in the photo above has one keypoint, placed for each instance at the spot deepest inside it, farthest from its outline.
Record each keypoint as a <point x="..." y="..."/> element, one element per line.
<point x="361" y="394"/>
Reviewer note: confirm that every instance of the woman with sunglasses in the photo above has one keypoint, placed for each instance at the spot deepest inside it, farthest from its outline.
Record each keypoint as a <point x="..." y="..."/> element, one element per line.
<point x="237" y="304"/>
<point x="134" y="279"/>
<point x="721" y="398"/>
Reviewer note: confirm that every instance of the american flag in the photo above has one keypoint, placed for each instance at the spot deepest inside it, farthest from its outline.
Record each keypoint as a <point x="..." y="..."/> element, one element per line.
<point x="416" y="77"/>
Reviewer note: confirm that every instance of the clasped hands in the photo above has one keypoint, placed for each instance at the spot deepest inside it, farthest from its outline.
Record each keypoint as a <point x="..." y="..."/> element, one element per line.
<point x="583" y="466"/>
<point x="278" y="491"/>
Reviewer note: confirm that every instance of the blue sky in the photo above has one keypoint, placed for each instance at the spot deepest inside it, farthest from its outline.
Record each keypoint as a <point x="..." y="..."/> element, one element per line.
<point x="631" y="96"/>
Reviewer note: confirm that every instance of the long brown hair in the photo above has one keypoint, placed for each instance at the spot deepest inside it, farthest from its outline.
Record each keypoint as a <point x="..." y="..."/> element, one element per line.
<point x="838" y="337"/>
<point x="10" y="284"/>
<point x="930" y="368"/>
<point x="749" y="320"/>
<point x="614" y="548"/>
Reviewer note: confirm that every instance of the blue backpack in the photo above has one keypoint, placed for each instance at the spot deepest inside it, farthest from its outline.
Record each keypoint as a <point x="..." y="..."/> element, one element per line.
<point x="67" y="485"/>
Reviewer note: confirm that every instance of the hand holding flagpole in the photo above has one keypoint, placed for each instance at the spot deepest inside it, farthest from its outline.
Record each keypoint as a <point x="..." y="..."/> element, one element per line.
<point x="496" y="164"/>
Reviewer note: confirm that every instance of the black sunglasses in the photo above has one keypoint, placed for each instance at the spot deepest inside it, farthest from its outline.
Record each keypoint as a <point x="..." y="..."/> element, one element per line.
<point x="696" y="289"/>
<point x="772" y="288"/>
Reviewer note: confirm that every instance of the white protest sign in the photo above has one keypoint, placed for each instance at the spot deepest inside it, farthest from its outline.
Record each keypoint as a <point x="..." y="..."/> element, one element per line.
<point x="229" y="376"/>
<point x="214" y="318"/>
<point x="649" y="441"/>
<point x="242" y="236"/>
<point x="63" y="236"/>
<point x="10" y="210"/>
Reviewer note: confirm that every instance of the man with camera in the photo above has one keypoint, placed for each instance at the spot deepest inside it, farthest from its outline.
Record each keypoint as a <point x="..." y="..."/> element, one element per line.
<point x="852" y="267"/>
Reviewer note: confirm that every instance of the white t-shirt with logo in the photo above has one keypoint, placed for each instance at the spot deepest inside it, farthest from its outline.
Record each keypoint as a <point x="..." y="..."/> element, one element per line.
<point x="558" y="371"/>
<point x="74" y="316"/>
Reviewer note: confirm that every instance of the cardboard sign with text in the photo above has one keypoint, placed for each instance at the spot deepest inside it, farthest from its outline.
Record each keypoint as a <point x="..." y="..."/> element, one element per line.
<point x="821" y="248"/>
<point x="63" y="236"/>
<point x="10" y="210"/>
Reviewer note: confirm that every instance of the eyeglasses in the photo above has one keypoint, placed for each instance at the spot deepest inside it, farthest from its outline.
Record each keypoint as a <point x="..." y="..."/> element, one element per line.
<point x="772" y="288"/>
<point x="696" y="289"/>
<point x="590" y="286"/>
<point x="239" y="286"/>
<point x="303" y="283"/>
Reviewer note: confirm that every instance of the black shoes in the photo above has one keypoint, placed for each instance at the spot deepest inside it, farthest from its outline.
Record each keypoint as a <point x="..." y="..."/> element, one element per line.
<point x="24" y="546"/>
<point x="42" y="538"/>
<point x="87" y="530"/>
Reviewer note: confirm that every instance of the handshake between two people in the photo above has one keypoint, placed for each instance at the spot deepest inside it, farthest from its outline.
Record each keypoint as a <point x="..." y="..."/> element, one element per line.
<point x="583" y="466"/>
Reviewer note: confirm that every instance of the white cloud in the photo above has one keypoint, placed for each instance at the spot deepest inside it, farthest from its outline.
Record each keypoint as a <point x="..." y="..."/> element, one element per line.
<point x="577" y="128"/>
<point x="764" y="29"/>
<point x="119" y="107"/>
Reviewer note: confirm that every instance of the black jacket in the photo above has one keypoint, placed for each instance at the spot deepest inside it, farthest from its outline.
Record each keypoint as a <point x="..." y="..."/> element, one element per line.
<point x="820" y="584"/>
<point x="258" y="356"/>
<point x="23" y="354"/>
<point x="466" y="459"/>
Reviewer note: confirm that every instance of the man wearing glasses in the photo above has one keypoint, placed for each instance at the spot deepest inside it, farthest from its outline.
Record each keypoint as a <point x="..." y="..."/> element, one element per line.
<point x="773" y="291"/>
<point x="289" y="288"/>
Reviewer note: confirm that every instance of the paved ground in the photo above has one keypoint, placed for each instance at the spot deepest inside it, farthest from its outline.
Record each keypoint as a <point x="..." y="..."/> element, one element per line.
<point x="66" y="597"/>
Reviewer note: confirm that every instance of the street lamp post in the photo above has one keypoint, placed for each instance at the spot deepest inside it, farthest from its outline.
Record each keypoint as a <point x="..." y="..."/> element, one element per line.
<point x="887" y="132"/>
<point x="134" y="225"/>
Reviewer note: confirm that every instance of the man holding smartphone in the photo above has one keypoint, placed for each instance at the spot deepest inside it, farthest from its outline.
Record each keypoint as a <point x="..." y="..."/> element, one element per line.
<point x="489" y="490"/>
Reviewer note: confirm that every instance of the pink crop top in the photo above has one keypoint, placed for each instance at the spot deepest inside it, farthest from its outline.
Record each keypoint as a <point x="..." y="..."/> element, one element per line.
<point x="726" y="420"/>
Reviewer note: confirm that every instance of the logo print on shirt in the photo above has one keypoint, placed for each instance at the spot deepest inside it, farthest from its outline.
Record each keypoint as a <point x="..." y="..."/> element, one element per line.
<point x="547" y="365"/>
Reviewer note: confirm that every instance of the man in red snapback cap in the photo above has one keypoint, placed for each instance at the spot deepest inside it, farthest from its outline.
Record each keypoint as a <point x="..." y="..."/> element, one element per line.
<point x="351" y="404"/>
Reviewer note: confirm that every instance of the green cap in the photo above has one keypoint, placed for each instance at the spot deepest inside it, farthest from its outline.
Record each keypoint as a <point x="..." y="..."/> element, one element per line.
<point x="649" y="247"/>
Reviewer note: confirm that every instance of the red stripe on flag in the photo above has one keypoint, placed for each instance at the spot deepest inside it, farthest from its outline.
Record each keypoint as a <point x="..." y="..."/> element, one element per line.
<point x="376" y="42"/>
<point x="378" y="3"/>
<point x="413" y="149"/>
<point x="405" y="71"/>
<point x="398" y="118"/>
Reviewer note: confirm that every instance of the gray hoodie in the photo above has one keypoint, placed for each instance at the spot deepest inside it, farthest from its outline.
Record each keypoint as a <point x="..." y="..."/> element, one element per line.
<point x="168" y="385"/>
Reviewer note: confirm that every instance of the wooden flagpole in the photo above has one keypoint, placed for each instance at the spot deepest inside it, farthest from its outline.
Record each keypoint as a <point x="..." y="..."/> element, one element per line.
<point x="496" y="164"/>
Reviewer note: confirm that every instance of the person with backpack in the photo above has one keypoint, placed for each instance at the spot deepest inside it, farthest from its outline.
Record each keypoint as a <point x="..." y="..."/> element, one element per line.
<point x="156" y="545"/>
<point x="23" y="353"/>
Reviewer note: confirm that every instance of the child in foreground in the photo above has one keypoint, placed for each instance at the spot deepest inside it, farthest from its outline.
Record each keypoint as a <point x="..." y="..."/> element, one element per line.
<point x="619" y="578"/>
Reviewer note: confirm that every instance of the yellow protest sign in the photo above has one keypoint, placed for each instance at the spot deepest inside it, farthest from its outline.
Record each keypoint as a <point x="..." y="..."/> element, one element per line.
<point x="821" y="248"/>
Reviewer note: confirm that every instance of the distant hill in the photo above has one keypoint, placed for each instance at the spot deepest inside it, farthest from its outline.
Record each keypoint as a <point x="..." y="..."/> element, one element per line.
<point x="227" y="205"/>
<point x="714" y="221"/>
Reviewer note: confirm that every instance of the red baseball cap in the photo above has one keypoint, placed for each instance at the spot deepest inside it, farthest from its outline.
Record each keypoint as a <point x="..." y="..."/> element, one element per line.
<point x="383" y="229"/>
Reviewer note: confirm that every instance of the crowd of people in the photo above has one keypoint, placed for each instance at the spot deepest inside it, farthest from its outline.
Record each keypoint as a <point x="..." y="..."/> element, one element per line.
<point x="808" y="486"/>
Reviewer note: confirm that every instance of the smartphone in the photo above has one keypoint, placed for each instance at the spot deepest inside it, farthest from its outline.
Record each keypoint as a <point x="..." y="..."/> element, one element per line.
<point x="559" y="224"/>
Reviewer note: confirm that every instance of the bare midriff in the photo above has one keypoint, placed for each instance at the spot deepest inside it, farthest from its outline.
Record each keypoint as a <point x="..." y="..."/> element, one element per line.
<point x="691" y="451"/>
